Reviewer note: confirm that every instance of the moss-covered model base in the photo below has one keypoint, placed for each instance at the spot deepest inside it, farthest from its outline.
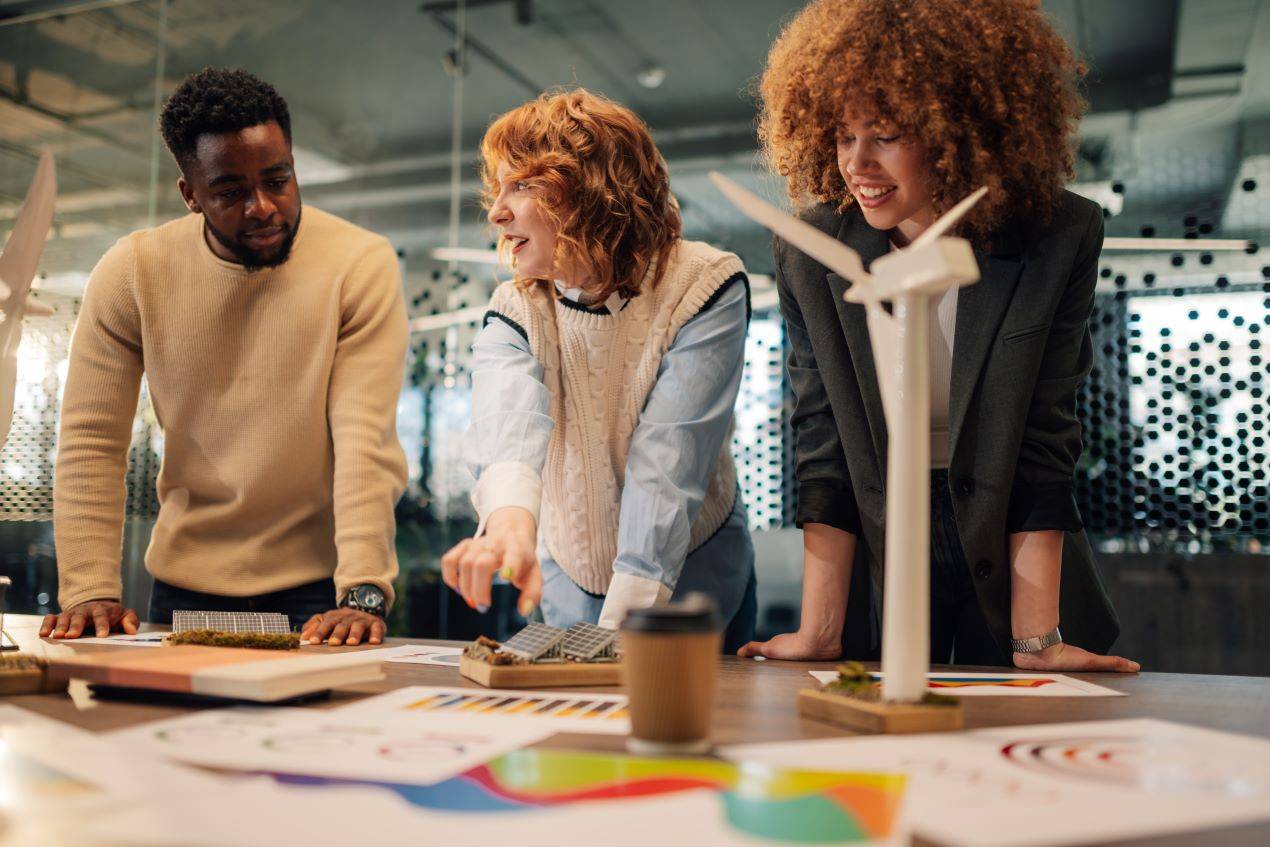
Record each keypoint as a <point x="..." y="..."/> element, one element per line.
<point x="487" y="650"/>
<point x="854" y="680"/>
<point x="24" y="674"/>
<point x="22" y="662"/>
<point x="256" y="640"/>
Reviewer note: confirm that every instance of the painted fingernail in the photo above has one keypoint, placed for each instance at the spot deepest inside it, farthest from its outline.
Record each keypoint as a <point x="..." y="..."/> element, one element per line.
<point x="470" y="604"/>
<point x="507" y="573"/>
<point x="526" y="608"/>
<point x="482" y="607"/>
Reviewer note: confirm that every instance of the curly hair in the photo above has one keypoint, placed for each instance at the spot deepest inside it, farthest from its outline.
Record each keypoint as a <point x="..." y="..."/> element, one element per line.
<point x="600" y="181"/>
<point x="217" y="100"/>
<point x="988" y="87"/>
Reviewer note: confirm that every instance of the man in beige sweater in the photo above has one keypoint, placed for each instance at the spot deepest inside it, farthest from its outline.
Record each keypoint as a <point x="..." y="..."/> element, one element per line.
<point x="273" y="344"/>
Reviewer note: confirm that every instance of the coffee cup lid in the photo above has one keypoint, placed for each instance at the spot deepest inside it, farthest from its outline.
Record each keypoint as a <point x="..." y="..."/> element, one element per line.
<point x="694" y="613"/>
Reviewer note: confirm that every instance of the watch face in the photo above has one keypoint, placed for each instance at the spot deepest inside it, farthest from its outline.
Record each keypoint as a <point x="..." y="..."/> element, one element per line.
<point x="368" y="596"/>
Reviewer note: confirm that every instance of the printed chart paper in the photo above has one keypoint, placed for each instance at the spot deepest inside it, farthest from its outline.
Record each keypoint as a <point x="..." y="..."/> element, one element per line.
<point x="388" y="748"/>
<point x="747" y="801"/>
<point x="426" y="654"/>
<point x="549" y="798"/>
<point x="1000" y="684"/>
<point x="552" y="711"/>
<point x="122" y="639"/>
<point x="1034" y="786"/>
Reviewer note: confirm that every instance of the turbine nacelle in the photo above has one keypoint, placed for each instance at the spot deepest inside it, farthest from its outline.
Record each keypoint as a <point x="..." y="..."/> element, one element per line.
<point x="930" y="269"/>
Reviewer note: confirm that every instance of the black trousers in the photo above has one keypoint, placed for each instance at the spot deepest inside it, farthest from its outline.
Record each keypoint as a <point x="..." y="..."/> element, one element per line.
<point x="959" y="631"/>
<point x="298" y="604"/>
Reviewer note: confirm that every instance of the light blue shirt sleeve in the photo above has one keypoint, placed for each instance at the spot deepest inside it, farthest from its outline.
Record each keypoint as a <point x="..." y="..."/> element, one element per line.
<point x="681" y="430"/>
<point x="510" y="404"/>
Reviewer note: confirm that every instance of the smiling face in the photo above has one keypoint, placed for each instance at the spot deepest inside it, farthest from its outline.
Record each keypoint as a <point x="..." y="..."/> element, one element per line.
<point x="527" y="233"/>
<point x="243" y="183"/>
<point x="886" y="174"/>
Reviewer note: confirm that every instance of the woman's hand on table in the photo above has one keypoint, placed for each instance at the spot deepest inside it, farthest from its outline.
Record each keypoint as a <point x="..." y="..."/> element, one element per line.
<point x="344" y="626"/>
<point x="101" y="615"/>
<point x="1068" y="657"/>
<point x="508" y="547"/>
<point x="795" y="646"/>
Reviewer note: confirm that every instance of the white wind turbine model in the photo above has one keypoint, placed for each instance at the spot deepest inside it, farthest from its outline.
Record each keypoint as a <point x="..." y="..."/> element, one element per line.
<point x="18" y="264"/>
<point x="908" y="278"/>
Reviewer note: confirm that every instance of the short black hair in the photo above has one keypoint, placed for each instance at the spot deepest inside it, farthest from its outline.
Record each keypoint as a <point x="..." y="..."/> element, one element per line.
<point x="217" y="100"/>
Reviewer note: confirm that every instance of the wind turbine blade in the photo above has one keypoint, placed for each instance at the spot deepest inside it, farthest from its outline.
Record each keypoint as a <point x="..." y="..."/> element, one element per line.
<point x="830" y="252"/>
<point x="21" y="255"/>
<point x="949" y="218"/>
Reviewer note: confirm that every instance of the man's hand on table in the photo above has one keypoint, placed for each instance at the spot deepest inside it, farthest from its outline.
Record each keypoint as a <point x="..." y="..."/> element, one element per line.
<point x="1067" y="657"/>
<point x="344" y="626"/>
<point x="102" y="615"/>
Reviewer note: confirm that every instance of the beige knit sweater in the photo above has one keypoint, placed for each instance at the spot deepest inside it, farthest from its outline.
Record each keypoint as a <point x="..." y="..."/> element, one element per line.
<point x="276" y="391"/>
<point x="599" y="370"/>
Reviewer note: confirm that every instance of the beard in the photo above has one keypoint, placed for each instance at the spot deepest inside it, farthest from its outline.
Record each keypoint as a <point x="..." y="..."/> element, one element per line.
<point x="251" y="258"/>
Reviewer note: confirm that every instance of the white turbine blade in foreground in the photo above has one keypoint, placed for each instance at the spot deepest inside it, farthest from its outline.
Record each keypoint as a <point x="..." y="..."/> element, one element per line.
<point x="950" y="218"/>
<point x="825" y="249"/>
<point x="21" y="255"/>
<point x="18" y="264"/>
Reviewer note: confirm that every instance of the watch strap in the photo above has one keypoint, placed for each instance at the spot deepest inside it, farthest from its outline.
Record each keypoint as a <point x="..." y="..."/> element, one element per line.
<point x="1037" y="643"/>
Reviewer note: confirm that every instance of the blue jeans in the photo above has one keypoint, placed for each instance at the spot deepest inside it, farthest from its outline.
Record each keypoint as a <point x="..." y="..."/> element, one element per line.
<point x="722" y="567"/>
<point x="298" y="604"/>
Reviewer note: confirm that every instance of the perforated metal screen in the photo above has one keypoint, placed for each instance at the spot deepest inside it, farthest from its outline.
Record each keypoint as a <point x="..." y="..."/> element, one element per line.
<point x="1175" y="420"/>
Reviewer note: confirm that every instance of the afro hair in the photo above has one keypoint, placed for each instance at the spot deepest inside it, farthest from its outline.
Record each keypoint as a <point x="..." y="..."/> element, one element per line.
<point x="217" y="100"/>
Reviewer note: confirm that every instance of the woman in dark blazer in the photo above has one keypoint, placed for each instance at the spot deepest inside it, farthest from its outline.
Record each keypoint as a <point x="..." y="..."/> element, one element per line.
<point x="887" y="113"/>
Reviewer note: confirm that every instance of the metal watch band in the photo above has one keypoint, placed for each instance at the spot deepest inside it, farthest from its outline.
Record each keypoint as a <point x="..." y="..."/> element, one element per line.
<point x="1037" y="643"/>
<point x="350" y="601"/>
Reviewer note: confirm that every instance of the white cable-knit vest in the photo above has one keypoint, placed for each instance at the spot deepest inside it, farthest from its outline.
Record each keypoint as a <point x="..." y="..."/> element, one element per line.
<point x="599" y="369"/>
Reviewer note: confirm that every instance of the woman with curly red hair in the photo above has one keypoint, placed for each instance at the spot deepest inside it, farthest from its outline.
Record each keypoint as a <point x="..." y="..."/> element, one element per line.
<point x="603" y="382"/>
<point x="882" y="114"/>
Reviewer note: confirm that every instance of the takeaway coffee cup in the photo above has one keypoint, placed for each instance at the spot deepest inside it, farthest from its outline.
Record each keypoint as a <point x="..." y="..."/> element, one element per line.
<point x="670" y="656"/>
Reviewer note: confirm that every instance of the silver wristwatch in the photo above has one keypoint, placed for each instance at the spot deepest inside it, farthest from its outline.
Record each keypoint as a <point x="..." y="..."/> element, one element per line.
<point x="1037" y="643"/>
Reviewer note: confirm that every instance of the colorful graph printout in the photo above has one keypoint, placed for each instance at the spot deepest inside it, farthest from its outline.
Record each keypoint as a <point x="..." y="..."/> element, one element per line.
<point x="554" y="711"/>
<point x="1033" y="786"/>
<point x="1000" y="685"/>
<point x="765" y="804"/>
<point x="311" y="742"/>
<point x="426" y="654"/>
<point x="121" y="639"/>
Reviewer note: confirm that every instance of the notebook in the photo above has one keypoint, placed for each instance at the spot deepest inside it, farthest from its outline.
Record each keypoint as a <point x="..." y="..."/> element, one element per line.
<point x="260" y="675"/>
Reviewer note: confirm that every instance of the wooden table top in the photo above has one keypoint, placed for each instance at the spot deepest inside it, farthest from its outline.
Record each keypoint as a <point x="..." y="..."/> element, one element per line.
<point x="755" y="702"/>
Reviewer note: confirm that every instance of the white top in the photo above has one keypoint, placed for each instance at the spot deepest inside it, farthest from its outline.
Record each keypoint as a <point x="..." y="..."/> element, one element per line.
<point x="939" y="353"/>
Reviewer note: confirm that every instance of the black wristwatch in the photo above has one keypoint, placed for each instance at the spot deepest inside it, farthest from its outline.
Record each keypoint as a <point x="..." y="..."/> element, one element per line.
<point x="365" y="598"/>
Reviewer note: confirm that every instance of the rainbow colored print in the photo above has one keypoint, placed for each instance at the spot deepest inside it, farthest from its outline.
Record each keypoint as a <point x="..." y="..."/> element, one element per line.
<point x="802" y="807"/>
<point x="995" y="682"/>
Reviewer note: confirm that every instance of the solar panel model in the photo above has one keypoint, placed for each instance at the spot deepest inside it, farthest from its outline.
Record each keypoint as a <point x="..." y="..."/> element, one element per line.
<point x="544" y="656"/>
<point x="265" y="622"/>
<point x="586" y="642"/>
<point x="536" y="643"/>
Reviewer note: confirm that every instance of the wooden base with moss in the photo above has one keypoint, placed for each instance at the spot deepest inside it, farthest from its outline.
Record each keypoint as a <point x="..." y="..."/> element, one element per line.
<point x="482" y="663"/>
<point x="215" y="638"/>
<point x="23" y="674"/>
<point x="855" y="701"/>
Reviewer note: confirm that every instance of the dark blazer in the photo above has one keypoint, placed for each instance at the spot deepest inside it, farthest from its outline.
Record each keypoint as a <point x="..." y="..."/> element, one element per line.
<point x="1020" y="351"/>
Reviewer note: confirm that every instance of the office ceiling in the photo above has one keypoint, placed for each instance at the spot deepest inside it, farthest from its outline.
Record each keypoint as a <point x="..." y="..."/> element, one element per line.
<point x="1180" y="97"/>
